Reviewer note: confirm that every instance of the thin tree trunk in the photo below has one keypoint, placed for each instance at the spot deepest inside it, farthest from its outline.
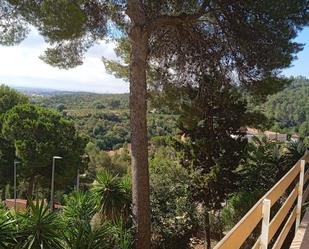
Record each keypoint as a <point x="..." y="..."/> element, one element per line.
<point x="207" y="230"/>
<point x="139" y="141"/>
<point x="3" y="193"/>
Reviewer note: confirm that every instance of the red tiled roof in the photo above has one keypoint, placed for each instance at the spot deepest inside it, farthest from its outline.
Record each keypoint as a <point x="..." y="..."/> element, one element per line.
<point x="22" y="203"/>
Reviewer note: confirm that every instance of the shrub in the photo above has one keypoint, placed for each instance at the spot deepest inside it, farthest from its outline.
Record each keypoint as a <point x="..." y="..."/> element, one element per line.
<point x="173" y="212"/>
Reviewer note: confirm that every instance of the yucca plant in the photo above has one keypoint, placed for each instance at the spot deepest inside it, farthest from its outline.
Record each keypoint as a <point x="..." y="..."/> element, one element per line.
<point x="295" y="150"/>
<point x="38" y="228"/>
<point x="7" y="229"/>
<point x="79" y="208"/>
<point x="84" y="237"/>
<point x="76" y="219"/>
<point x="122" y="235"/>
<point x="113" y="194"/>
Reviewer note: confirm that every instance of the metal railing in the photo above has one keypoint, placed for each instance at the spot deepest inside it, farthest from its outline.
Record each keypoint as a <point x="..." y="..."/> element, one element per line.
<point x="260" y="212"/>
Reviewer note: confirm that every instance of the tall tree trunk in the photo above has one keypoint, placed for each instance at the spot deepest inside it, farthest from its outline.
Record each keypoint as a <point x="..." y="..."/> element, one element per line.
<point x="30" y="188"/>
<point x="139" y="141"/>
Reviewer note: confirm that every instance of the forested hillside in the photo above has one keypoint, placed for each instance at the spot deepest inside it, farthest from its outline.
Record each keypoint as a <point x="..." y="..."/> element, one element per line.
<point x="85" y="100"/>
<point x="289" y="109"/>
<point x="104" y="118"/>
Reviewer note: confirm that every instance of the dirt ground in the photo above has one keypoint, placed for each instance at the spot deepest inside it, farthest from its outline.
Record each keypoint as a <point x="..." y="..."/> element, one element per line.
<point x="200" y="244"/>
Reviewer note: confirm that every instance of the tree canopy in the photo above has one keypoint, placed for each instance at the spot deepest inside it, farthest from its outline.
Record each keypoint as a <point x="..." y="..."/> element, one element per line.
<point x="8" y="99"/>
<point x="39" y="134"/>
<point x="243" y="42"/>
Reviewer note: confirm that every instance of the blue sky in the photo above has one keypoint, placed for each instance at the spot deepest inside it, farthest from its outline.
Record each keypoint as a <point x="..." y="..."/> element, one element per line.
<point x="20" y="66"/>
<point x="301" y="65"/>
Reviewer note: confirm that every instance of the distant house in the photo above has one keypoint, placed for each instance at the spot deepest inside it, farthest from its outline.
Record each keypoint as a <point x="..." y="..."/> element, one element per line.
<point x="252" y="132"/>
<point x="275" y="136"/>
<point x="270" y="135"/>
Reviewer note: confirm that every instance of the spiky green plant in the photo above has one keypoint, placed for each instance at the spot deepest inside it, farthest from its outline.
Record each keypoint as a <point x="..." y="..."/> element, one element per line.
<point x="7" y="229"/>
<point x="38" y="228"/>
<point x="295" y="150"/>
<point x="76" y="219"/>
<point x="122" y="235"/>
<point x="113" y="194"/>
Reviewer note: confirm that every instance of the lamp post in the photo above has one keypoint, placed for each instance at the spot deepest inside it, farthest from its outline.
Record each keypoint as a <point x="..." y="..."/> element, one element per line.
<point x="52" y="182"/>
<point x="15" y="165"/>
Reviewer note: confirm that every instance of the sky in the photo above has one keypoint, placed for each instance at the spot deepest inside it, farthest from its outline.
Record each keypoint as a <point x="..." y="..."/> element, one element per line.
<point x="20" y="66"/>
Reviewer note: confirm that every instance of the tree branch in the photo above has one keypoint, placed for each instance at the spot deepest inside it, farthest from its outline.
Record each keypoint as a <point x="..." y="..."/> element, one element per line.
<point x="166" y="20"/>
<point x="135" y="12"/>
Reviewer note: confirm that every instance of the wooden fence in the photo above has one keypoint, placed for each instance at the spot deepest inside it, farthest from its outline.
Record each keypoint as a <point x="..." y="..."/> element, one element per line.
<point x="295" y="179"/>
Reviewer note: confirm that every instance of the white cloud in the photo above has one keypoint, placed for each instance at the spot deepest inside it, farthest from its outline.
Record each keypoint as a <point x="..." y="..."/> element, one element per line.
<point x="20" y="66"/>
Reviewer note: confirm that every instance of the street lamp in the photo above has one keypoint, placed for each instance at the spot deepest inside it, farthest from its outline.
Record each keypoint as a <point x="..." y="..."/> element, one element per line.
<point x="15" y="165"/>
<point x="52" y="182"/>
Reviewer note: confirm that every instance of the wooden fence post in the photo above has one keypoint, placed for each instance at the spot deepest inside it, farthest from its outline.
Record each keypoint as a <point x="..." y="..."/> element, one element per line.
<point x="300" y="194"/>
<point x="265" y="223"/>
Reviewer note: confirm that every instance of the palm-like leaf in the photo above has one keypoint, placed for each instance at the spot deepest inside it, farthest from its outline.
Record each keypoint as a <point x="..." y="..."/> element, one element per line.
<point x="113" y="194"/>
<point x="295" y="150"/>
<point x="38" y="228"/>
<point x="76" y="217"/>
<point x="84" y="237"/>
<point x="122" y="236"/>
<point x="79" y="207"/>
<point x="7" y="230"/>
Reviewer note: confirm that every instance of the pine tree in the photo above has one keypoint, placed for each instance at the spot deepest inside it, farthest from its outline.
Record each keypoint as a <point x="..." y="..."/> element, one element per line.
<point x="212" y="115"/>
<point x="247" y="40"/>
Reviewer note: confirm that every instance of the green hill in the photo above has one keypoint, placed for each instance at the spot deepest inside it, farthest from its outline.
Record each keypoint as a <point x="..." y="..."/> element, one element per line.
<point x="104" y="118"/>
<point x="85" y="101"/>
<point x="290" y="108"/>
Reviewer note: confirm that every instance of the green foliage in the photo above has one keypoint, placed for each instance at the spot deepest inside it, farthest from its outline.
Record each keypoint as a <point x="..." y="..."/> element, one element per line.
<point x="211" y="119"/>
<point x="70" y="228"/>
<point x="107" y="127"/>
<point x="39" y="134"/>
<point x="113" y="194"/>
<point x="99" y="160"/>
<point x="237" y="205"/>
<point x="7" y="229"/>
<point x="267" y="162"/>
<point x="38" y="228"/>
<point x="173" y="212"/>
<point x="84" y="101"/>
<point x="120" y="69"/>
<point x="60" y="107"/>
<point x="79" y="207"/>
<point x="8" y="99"/>
<point x="265" y="165"/>
<point x="122" y="236"/>
<point x="13" y="28"/>
<point x="76" y="219"/>
<point x="289" y="108"/>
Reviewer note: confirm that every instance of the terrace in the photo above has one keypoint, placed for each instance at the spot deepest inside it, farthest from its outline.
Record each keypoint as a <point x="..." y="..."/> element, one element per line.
<point x="277" y="216"/>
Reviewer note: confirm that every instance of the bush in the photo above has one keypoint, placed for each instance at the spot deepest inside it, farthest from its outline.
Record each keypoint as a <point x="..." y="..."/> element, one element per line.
<point x="173" y="212"/>
<point x="60" y="107"/>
